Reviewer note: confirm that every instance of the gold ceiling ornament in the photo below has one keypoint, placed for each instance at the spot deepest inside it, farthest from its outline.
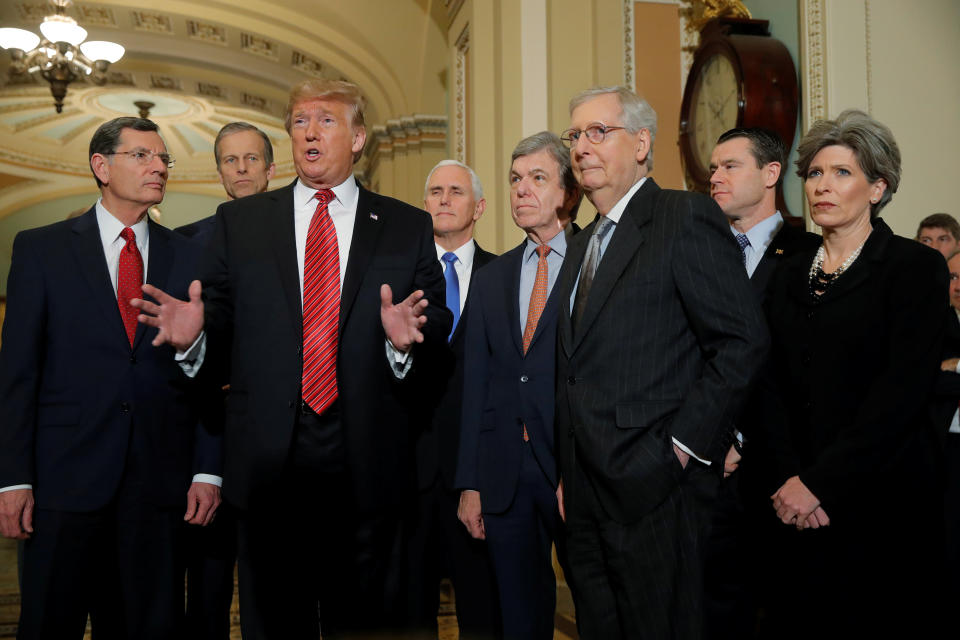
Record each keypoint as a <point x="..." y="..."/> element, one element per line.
<point x="699" y="12"/>
<point x="61" y="56"/>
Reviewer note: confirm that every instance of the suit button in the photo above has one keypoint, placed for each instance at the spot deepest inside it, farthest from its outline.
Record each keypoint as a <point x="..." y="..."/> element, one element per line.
<point x="524" y="378"/>
<point x="133" y="359"/>
<point x="124" y="407"/>
<point x="571" y="381"/>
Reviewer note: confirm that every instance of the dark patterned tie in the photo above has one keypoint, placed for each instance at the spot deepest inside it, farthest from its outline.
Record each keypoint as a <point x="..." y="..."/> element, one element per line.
<point x="744" y="242"/>
<point x="590" y="263"/>
<point x="321" y="308"/>
<point x="129" y="281"/>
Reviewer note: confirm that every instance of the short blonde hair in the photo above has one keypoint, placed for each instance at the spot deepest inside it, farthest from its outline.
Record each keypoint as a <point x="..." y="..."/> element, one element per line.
<point x="319" y="89"/>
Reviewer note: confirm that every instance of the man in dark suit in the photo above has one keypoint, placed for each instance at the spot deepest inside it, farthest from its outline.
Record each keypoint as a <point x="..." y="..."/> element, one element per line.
<point x="747" y="168"/>
<point x="438" y="545"/>
<point x="506" y="465"/>
<point x="298" y="316"/>
<point x="659" y="338"/>
<point x="97" y="443"/>
<point x="244" y="157"/>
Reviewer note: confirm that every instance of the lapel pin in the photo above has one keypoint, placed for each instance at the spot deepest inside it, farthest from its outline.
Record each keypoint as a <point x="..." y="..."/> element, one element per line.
<point x="373" y="216"/>
<point x="779" y="252"/>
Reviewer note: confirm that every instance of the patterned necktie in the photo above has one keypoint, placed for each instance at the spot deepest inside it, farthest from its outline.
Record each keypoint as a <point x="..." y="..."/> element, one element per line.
<point x="744" y="242"/>
<point x="453" y="289"/>
<point x="538" y="298"/>
<point x="590" y="263"/>
<point x="321" y="308"/>
<point x="129" y="281"/>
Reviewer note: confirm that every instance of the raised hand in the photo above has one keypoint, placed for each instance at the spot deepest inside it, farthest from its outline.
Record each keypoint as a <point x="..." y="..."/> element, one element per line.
<point x="402" y="321"/>
<point x="178" y="322"/>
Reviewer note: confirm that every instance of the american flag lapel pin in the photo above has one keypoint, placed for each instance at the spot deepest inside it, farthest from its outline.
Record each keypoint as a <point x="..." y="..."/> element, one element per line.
<point x="779" y="252"/>
<point x="373" y="216"/>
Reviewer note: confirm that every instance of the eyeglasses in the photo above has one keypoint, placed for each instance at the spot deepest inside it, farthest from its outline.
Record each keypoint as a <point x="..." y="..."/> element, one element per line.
<point x="595" y="133"/>
<point x="145" y="157"/>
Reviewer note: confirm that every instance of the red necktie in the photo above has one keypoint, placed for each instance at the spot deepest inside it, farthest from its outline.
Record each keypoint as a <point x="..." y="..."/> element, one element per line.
<point x="129" y="281"/>
<point x="321" y="308"/>
<point x="538" y="300"/>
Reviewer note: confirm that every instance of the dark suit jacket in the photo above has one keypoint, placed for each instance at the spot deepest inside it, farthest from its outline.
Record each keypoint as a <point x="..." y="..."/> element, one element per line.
<point x="254" y="323"/>
<point x="503" y="388"/>
<point x="668" y="344"/>
<point x="201" y="230"/>
<point x="787" y="241"/>
<point x="438" y="443"/>
<point x="854" y="374"/>
<point x="74" y="396"/>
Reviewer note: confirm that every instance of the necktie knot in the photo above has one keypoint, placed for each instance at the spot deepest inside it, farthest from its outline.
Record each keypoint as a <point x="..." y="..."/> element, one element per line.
<point x="543" y="250"/>
<point x="130" y="238"/>
<point x="449" y="257"/>
<point x="743" y="241"/>
<point x="325" y="196"/>
<point x="604" y="224"/>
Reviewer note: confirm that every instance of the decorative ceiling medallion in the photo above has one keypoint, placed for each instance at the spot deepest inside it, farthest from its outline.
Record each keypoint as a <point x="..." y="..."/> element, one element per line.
<point x="124" y="78"/>
<point x="211" y="90"/>
<point x="206" y="32"/>
<point x="256" y="102"/>
<point x="34" y="12"/>
<point x="258" y="46"/>
<point x="152" y="22"/>
<point x="165" y="82"/>
<point x="308" y="65"/>
<point x="100" y="16"/>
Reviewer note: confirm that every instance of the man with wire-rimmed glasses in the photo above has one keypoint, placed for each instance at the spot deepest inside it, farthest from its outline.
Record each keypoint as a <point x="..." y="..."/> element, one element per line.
<point x="97" y="439"/>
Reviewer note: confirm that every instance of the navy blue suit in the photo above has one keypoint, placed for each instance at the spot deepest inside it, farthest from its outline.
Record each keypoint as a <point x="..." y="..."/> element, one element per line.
<point x="503" y="391"/>
<point x="104" y="432"/>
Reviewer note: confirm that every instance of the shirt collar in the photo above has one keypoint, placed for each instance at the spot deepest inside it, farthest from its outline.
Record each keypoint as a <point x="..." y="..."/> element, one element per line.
<point x="617" y="210"/>
<point x="464" y="253"/>
<point x="557" y="244"/>
<point x="345" y="193"/>
<point x="110" y="227"/>
<point x="761" y="234"/>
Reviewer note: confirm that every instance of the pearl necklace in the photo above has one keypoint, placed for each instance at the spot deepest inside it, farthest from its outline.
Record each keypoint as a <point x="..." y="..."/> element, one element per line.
<point x="820" y="281"/>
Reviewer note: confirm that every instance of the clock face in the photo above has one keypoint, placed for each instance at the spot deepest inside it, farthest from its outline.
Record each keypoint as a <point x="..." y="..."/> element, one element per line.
<point x="715" y="104"/>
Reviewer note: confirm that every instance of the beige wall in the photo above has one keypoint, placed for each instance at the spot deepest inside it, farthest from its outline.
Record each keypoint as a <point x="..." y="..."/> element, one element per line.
<point x="898" y="61"/>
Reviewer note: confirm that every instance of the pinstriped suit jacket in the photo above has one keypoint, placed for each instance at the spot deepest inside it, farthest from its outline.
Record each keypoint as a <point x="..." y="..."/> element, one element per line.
<point x="669" y="342"/>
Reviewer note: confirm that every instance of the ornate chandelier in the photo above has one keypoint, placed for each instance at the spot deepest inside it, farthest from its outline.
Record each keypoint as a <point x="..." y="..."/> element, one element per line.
<point x="61" y="56"/>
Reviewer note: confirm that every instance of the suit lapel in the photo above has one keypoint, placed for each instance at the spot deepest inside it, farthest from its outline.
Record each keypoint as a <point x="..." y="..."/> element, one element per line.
<point x="480" y="258"/>
<point x="626" y="240"/>
<point x="511" y="302"/>
<point x="158" y="266"/>
<point x="576" y="250"/>
<point x="284" y="240"/>
<point x="366" y="231"/>
<point x="93" y="264"/>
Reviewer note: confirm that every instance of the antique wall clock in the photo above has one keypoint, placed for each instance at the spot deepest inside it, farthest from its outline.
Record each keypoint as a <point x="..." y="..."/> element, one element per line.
<point x="740" y="77"/>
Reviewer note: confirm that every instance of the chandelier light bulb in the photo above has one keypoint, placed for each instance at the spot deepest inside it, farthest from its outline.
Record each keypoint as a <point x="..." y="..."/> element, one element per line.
<point x="59" y="28"/>
<point x="102" y="50"/>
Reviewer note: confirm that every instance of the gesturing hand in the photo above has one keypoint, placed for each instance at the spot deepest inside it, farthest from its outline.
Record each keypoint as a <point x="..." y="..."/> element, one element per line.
<point x="401" y="322"/>
<point x="178" y="322"/>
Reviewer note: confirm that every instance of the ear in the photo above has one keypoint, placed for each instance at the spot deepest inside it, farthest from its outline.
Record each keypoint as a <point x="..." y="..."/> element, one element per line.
<point x="771" y="173"/>
<point x="643" y="145"/>
<point x="480" y="208"/>
<point x="272" y="169"/>
<point x="101" y="167"/>
<point x="877" y="190"/>
<point x="359" y="138"/>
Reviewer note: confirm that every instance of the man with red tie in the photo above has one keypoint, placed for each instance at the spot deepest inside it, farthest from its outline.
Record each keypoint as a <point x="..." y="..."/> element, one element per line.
<point x="299" y="317"/>
<point x="97" y="442"/>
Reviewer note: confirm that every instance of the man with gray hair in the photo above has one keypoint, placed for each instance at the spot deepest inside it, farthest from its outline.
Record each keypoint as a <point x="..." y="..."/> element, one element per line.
<point x="659" y="338"/>
<point x="437" y="545"/>
<point x="506" y="467"/>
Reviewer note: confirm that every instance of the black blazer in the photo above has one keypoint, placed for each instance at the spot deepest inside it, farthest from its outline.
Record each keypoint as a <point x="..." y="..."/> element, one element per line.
<point x="503" y="388"/>
<point x="254" y="323"/>
<point x="438" y="443"/>
<point x="667" y="346"/>
<point x="853" y="374"/>
<point x="74" y="396"/>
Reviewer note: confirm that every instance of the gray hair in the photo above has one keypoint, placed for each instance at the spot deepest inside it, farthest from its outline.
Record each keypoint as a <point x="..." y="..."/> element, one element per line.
<point x="474" y="179"/>
<point x="871" y="142"/>
<point x="636" y="112"/>
<point x="550" y="142"/>
<point x="237" y="127"/>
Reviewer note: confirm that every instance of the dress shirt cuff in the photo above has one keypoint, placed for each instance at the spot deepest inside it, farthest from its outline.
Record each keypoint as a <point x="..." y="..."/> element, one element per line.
<point x="208" y="478"/>
<point x="400" y="362"/>
<point x="192" y="359"/>
<point x="736" y="434"/>
<point x="957" y="369"/>
<point x="16" y="486"/>
<point x="683" y="448"/>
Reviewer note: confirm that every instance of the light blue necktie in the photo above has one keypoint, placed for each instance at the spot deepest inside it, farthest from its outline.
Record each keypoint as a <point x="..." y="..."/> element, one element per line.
<point x="453" y="289"/>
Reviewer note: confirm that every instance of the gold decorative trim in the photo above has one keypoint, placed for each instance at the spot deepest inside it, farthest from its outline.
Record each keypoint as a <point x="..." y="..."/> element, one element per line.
<point x="460" y="95"/>
<point x="206" y="32"/>
<point x="813" y="56"/>
<point x="629" y="46"/>
<point x="152" y="22"/>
